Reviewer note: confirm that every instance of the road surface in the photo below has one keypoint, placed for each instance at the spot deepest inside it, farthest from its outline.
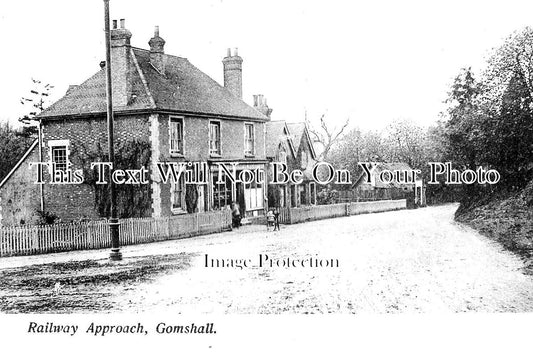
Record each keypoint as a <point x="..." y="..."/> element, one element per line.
<point x="394" y="262"/>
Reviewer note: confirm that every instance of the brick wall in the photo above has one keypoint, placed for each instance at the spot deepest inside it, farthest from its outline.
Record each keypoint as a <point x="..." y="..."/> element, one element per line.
<point x="77" y="201"/>
<point x="88" y="131"/>
<point x="196" y="146"/>
<point x="196" y="138"/>
<point x="73" y="202"/>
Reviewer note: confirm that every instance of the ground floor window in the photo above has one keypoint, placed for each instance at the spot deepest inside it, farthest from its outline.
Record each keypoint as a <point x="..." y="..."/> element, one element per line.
<point x="222" y="193"/>
<point x="253" y="196"/>
<point x="177" y="195"/>
<point x="302" y="192"/>
<point x="294" y="197"/>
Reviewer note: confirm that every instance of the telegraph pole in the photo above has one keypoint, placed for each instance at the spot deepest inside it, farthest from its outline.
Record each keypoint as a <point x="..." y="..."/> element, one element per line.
<point x="115" y="254"/>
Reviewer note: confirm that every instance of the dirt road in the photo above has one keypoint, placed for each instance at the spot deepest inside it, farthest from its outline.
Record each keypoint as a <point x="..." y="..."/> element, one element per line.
<point x="402" y="261"/>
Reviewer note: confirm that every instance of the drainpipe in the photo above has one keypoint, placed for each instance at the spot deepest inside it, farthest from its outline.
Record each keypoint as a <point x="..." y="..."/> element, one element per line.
<point x="40" y="143"/>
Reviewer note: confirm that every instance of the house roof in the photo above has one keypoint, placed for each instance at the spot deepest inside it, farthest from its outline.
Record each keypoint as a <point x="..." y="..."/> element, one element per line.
<point x="276" y="133"/>
<point x="182" y="88"/>
<point x="297" y="130"/>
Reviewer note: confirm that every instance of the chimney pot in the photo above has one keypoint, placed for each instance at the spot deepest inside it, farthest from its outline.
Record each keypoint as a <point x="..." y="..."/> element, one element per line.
<point x="260" y="104"/>
<point x="157" y="50"/>
<point x="228" y="53"/>
<point x="120" y="62"/>
<point x="233" y="73"/>
<point x="235" y="51"/>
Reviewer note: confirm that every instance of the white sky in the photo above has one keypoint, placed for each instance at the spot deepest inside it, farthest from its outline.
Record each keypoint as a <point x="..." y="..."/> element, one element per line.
<point x="372" y="61"/>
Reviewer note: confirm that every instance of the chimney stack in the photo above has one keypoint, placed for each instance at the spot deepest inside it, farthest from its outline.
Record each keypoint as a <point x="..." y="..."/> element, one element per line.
<point x="260" y="104"/>
<point x="120" y="63"/>
<point x="157" y="51"/>
<point x="233" y="73"/>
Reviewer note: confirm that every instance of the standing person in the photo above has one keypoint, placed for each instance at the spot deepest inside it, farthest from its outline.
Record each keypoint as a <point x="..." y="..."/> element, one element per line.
<point x="236" y="214"/>
<point x="270" y="219"/>
<point x="276" y="218"/>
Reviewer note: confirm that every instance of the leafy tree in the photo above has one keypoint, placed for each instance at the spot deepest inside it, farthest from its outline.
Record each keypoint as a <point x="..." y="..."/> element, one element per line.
<point x="13" y="144"/>
<point x="462" y="130"/>
<point x="511" y="134"/>
<point x="507" y="100"/>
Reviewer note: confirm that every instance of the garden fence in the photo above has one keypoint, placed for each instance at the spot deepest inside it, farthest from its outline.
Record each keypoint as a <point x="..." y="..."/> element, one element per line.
<point x="30" y="240"/>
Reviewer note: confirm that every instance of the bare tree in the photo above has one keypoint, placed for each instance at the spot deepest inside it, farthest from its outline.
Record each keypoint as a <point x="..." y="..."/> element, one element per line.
<point x="327" y="136"/>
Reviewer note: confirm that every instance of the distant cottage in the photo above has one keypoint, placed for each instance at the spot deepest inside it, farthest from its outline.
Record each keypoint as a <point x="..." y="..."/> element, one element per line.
<point x="291" y="144"/>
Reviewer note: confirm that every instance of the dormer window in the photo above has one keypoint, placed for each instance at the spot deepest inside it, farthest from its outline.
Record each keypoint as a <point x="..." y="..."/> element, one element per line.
<point x="176" y="135"/>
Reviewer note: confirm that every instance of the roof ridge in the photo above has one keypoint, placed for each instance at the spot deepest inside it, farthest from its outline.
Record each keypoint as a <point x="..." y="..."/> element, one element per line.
<point x="166" y="54"/>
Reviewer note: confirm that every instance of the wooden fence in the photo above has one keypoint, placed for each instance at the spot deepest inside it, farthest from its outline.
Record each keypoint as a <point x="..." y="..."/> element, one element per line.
<point x="30" y="240"/>
<point x="317" y="212"/>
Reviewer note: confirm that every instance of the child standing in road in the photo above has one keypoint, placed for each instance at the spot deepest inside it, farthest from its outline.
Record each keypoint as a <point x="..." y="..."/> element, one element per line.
<point x="276" y="219"/>
<point x="270" y="219"/>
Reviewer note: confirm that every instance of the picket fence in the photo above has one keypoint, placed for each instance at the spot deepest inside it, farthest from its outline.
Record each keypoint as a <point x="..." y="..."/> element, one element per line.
<point x="317" y="212"/>
<point x="30" y="240"/>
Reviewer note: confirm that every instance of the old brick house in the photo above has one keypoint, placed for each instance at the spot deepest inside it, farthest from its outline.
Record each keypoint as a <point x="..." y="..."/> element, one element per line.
<point x="291" y="144"/>
<point x="164" y="102"/>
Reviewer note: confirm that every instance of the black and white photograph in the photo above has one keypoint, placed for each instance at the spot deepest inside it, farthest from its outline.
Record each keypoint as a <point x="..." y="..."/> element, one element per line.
<point x="231" y="176"/>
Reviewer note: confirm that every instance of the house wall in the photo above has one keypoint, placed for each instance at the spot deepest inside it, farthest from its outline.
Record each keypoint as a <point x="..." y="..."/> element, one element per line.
<point x="77" y="201"/>
<point x="293" y="196"/>
<point x="196" y="138"/>
<point x="19" y="197"/>
<point x="196" y="146"/>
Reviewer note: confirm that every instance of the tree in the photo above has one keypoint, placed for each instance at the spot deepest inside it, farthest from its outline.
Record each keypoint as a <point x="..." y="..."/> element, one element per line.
<point x="404" y="142"/>
<point x="511" y="134"/>
<point x="357" y="146"/>
<point x="326" y="135"/>
<point x="13" y="144"/>
<point x="462" y="129"/>
<point x="511" y="60"/>
<point x="507" y="100"/>
<point x="37" y="100"/>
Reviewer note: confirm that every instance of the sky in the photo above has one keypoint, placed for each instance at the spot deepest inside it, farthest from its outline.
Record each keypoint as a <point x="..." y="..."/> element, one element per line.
<point x="369" y="61"/>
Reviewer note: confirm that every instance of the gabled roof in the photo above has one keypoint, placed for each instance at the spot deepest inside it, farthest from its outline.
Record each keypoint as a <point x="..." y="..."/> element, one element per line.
<point x="182" y="88"/>
<point x="276" y="133"/>
<point x="299" y="129"/>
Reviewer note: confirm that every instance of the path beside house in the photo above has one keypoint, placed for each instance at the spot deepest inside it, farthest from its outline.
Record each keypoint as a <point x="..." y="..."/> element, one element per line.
<point x="401" y="261"/>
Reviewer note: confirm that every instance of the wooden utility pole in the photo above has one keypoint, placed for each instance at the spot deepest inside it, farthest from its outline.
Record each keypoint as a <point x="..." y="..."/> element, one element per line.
<point x="115" y="254"/>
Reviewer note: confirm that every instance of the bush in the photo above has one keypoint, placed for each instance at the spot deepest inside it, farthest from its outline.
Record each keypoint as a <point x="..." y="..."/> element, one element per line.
<point x="327" y="196"/>
<point x="46" y="217"/>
